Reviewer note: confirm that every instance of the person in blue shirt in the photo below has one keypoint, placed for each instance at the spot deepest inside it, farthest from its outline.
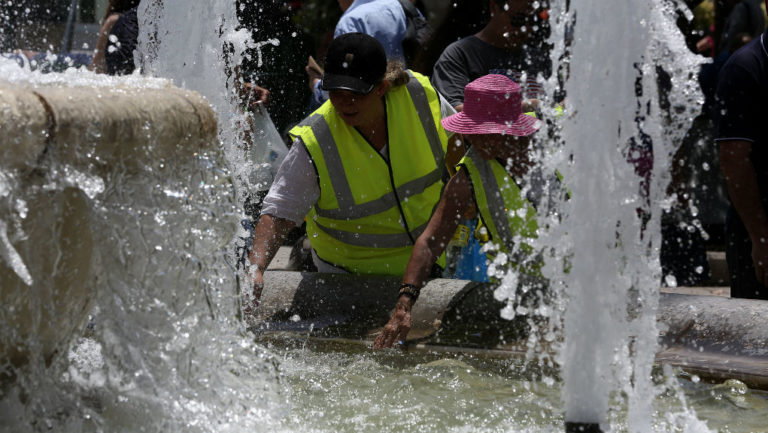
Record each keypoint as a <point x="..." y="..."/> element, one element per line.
<point x="383" y="19"/>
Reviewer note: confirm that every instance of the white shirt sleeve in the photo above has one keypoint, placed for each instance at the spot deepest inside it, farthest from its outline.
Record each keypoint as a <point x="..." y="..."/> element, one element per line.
<point x="295" y="189"/>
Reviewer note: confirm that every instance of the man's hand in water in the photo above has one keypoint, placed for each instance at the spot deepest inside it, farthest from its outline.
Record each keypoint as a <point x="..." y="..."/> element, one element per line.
<point x="251" y="300"/>
<point x="398" y="326"/>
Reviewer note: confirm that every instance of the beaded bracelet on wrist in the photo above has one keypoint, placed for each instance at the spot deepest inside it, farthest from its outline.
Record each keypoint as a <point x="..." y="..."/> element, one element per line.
<point x="409" y="289"/>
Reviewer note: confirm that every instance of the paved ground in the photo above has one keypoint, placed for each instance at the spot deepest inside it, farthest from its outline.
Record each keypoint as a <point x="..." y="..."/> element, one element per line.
<point x="716" y="285"/>
<point x="697" y="290"/>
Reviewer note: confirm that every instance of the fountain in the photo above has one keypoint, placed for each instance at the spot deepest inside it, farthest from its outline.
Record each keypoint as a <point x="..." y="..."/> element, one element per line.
<point x="610" y="331"/>
<point x="134" y="210"/>
<point x="50" y="175"/>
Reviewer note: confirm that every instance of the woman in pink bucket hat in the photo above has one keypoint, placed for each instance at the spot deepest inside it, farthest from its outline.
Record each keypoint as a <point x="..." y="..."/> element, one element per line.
<point x="490" y="177"/>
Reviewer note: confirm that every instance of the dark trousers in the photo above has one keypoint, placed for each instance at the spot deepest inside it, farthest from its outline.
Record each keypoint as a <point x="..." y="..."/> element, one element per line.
<point x="738" y="253"/>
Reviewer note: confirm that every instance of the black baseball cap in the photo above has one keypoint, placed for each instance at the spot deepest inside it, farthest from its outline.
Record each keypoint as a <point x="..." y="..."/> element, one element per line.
<point x="355" y="62"/>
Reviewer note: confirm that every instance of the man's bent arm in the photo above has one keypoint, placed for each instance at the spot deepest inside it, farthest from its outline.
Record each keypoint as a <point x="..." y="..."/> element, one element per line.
<point x="743" y="190"/>
<point x="742" y="187"/>
<point x="430" y="244"/>
<point x="269" y="235"/>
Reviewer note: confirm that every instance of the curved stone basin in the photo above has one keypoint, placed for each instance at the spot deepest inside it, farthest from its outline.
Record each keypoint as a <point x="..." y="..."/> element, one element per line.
<point x="60" y="146"/>
<point x="713" y="337"/>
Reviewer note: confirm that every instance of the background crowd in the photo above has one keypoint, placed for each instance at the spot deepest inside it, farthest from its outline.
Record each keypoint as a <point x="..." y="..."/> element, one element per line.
<point x="454" y="43"/>
<point x="466" y="43"/>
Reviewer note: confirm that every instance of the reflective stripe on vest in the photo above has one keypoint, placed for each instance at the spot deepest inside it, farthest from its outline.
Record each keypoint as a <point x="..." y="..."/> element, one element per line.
<point x="347" y="208"/>
<point x="378" y="240"/>
<point x="420" y="100"/>
<point x="358" y="209"/>
<point x="499" y="207"/>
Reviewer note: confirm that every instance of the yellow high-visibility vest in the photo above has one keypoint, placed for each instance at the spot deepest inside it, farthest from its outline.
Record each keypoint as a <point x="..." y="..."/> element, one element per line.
<point x="507" y="215"/>
<point x="371" y="211"/>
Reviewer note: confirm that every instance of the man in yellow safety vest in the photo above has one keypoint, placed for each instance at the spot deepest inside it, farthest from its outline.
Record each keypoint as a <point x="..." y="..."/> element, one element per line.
<point x="366" y="169"/>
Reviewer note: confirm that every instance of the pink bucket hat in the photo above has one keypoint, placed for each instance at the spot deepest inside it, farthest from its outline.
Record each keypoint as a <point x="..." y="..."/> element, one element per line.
<point x="492" y="105"/>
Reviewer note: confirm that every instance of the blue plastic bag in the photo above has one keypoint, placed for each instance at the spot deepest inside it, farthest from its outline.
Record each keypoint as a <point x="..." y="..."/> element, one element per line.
<point x="470" y="263"/>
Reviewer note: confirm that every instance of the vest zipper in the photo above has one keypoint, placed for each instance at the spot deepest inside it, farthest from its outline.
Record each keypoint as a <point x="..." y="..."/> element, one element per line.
<point x="392" y="180"/>
<point x="387" y="161"/>
<point x="397" y="198"/>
